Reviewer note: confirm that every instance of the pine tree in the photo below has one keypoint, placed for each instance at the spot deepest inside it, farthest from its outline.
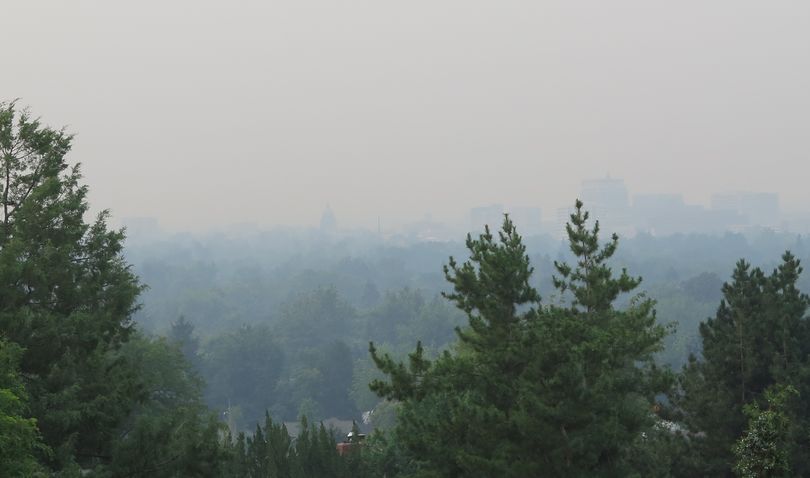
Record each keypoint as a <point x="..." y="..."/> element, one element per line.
<point x="596" y="379"/>
<point x="455" y="418"/>
<point x="531" y="390"/>
<point x="759" y="338"/>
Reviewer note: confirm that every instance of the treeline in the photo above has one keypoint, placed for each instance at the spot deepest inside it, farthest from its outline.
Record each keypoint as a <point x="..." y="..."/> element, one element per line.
<point x="220" y="282"/>
<point x="314" y="330"/>
<point x="314" y="361"/>
<point x="561" y="379"/>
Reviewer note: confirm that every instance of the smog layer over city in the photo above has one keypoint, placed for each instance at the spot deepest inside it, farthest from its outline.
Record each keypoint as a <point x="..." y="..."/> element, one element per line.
<point x="404" y="239"/>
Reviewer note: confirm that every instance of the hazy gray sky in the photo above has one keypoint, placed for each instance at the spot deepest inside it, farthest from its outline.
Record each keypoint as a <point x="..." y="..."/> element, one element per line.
<point x="212" y="112"/>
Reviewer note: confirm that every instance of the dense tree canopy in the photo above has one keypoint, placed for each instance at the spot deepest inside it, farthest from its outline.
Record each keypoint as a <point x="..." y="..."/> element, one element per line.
<point x="242" y="369"/>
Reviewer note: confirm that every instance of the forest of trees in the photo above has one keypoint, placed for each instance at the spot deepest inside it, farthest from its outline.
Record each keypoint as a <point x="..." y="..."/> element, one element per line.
<point x="520" y="357"/>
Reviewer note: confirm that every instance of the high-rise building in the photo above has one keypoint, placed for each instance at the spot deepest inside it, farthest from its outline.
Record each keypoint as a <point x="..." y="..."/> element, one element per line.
<point x="757" y="209"/>
<point x="662" y="214"/>
<point x="528" y="220"/>
<point x="665" y="214"/>
<point x="607" y="200"/>
<point x="563" y="217"/>
<point x="491" y="216"/>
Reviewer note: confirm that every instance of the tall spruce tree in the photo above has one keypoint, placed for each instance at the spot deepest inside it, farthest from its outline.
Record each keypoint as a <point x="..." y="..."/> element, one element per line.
<point x="759" y="338"/>
<point x="531" y="391"/>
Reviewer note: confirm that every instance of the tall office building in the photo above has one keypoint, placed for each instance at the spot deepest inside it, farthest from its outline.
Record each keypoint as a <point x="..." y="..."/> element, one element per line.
<point x="607" y="200"/>
<point x="491" y="215"/>
<point x="528" y="220"/>
<point x="756" y="209"/>
<point x="563" y="216"/>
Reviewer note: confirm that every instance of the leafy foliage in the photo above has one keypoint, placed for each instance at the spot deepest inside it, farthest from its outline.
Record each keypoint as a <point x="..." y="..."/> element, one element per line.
<point x="763" y="450"/>
<point x="242" y="369"/>
<point x="19" y="437"/>
<point x="172" y="433"/>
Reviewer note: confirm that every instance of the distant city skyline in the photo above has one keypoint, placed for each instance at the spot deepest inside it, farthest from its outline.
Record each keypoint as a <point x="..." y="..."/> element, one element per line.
<point x="264" y="112"/>
<point x="608" y="199"/>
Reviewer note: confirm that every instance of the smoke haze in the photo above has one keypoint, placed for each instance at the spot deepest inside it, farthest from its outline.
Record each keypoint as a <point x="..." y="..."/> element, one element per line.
<point x="202" y="113"/>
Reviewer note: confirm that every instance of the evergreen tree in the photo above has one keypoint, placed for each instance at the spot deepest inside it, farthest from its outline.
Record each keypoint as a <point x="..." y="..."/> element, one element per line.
<point x="455" y="415"/>
<point x="66" y="293"/>
<point x="758" y="338"/>
<point x="592" y="382"/>
<point x="182" y="334"/>
<point x="272" y="452"/>
<point x="531" y="391"/>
